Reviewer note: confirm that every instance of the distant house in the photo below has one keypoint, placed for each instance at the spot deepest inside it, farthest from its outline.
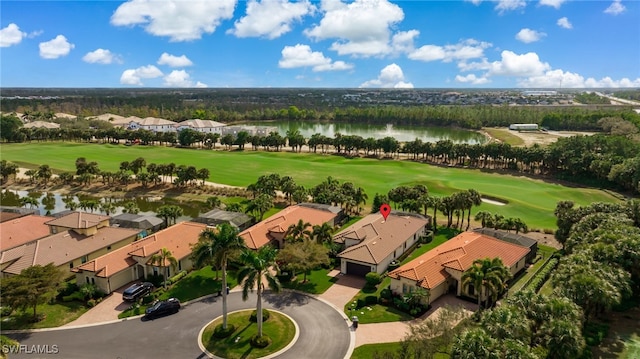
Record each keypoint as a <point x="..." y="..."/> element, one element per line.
<point x="152" y="124"/>
<point x="251" y="130"/>
<point x="41" y="124"/>
<point x="274" y="229"/>
<point x="11" y="212"/>
<point x="217" y="216"/>
<point x="73" y="239"/>
<point x="133" y="261"/>
<point x="21" y="230"/>
<point x="147" y="223"/>
<point x="518" y="239"/>
<point x="205" y="126"/>
<point x="373" y="243"/>
<point x="440" y="270"/>
<point x="524" y="127"/>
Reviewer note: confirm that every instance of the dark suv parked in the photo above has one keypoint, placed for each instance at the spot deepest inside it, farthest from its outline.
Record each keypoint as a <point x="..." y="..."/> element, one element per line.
<point x="137" y="291"/>
<point x="169" y="306"/>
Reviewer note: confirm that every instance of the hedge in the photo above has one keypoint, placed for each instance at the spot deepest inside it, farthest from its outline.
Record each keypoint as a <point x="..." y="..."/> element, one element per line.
<point x="541" y="277"/>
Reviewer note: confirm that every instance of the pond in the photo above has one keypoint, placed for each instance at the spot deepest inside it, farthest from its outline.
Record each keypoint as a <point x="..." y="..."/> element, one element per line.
<point x="50" y="202"/>
<point x="400" y="133"/>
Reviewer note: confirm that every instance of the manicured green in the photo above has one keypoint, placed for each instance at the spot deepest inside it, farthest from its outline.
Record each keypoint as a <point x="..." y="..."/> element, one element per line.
<point x="375" y="313"/>
<point x="56" y="314"/>
<point x="195" y="285"/>
<point x="368" y="351"/>
<point x="504" y="136"/>
<point x="351" y="221"/>
<point x="529" y="199"/>
<point x="318" y="281"/>
<point x="279" y="328"/>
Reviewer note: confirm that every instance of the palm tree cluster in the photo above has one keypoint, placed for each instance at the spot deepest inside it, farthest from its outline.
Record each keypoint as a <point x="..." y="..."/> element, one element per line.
<point x="345" y="195"/>
<point x="498" y="221"/>
<point x="488" y="277"/>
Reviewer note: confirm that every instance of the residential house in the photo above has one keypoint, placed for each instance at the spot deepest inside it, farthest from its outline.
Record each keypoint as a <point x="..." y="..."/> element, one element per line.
<point x="146" y="223"/>
<point x="440" y="270"/>
<point x="274" y="229"/>
<point x="10" y="212"/>
<point x="152" y="124"/>
<point x="73" y="239"/>
<point x="205" y="126"/>
<point x="133" y="262"/>
<point x="239" y="220"/>
<point x="514" y="238"/>
<point x="41" y="124"/>
<point x="251" y="130"/>
<point x="21" y="230"/>
<point x="372" y="243"/>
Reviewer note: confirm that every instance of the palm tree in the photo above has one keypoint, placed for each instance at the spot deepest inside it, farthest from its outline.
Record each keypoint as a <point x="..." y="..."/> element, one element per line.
<point x="484" y="217"/>
<point x="130" y="207"/>
<point x="260" y="205"/>
<point x="256" y="268"/>
<point x="298" y="231"/>
<point x="107" y="207"/>
<point x="29" y="201"/>
<point x="215" y="247"/>
<point x="475" y="199"/>
<point x="488" y="276"/>
<point x="213" y="202"/>
<point x="164" y="259"/>
<point x="435" y="203"/>
<point x="323" y="233"/>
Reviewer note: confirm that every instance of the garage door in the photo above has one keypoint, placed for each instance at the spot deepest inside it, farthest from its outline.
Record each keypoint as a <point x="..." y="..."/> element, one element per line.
<point x="358" y="269"/>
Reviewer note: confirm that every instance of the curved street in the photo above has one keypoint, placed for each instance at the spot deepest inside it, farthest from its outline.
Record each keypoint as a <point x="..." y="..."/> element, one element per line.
<point x="324" y="333"/>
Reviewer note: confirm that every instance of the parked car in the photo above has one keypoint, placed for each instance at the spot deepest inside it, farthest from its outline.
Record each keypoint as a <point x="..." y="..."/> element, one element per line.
<point x="137" y="291"/>
<point x="164" y="307"/>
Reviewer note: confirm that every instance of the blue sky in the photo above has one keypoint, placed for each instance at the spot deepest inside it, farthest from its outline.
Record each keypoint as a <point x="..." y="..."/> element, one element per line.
<point x="333" y="43"/>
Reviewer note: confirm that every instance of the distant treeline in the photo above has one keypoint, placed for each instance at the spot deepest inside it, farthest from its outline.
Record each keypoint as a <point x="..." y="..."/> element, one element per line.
<point x="176" y="108"/>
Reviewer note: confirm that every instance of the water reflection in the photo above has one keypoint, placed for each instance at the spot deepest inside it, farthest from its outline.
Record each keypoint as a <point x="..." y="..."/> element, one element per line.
<point x="401" y="133"/>
<point x="50" y="202"/>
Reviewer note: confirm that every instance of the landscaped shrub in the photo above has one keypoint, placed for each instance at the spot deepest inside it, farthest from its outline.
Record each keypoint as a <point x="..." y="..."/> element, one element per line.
<point x="254" y="316"/>
<point x="73" y="296"/>
<point x="260" y="342"/>
<point x="67" y="289"/>
<point x="360" y="303"/>
<point x="156" y="280"/>
<point x="91" y="303"/>
<point x="537" y="281"/>
<point x="147" y="299"/>
<point x="178" y="276"/>
<point x="386" y="293"/>
<point x="285" y="277"/>
<point x="373" y="279"/>
<point x="371" y="299"/>
<point x="595" y="332"/>
<point x="548" y="231"/>
<point x="219" y="332"/>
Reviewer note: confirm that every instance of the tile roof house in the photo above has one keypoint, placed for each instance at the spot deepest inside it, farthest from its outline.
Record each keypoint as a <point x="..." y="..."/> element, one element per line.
<point x="373" y="243"/>
<point x="70" y="240"/>
<point x="137" y="221"/>
<point x="514" y="238"/>
<point x="273" y="229"/>
<point x="206" y="126"/>
<point x="21" y="230"/>
<point x="217" y="216"/>
<point x="132" y="262"/>
<point x="440" y="270"/>
<point x="41" y="124"/>
<point x="152" y="124"/>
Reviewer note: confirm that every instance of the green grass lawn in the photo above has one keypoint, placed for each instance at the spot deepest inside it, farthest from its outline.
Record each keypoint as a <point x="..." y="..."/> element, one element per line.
<point x="317" y="282"/>
<point x="378" y="313"/>
<point x="279" y="328"/>
<point x="195" y="285"/>
<point x="545" y="252"/>
<point x="442" y="236"/>
<point x="532" y="200"/>
<point x="56" y="314"/>
<point x="368" y="351"/>
<point x="504" y="136"/>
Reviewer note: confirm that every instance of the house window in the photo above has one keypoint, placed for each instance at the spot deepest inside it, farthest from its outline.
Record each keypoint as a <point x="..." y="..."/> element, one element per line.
<point x="405" y="245"/>
<point x="109" y="248"/>
<point x="87" y="278"/>
<point x="155" y="270"/>
<point x="85" y="259"/>
<point x="517" y="263"/>
<point x="404" y="288"/>
<point x="179" y="265"/>
<point x="93" y="281"/>
<point x="472" y="290"/>
<point x="71" y="264"/>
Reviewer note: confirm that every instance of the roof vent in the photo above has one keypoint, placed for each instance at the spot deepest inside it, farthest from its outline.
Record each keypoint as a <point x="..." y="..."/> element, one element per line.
<point x="374" y="242"/>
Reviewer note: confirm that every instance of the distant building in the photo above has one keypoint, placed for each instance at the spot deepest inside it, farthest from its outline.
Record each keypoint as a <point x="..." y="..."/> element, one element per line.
<point x="524" y="127"/>
<point x="152" y="124"/>
<point x="41" y="124"/>
<point x="148" y="223"/>
<point x="251" y="130"/>
<point x="204" y="126"/>
<point x="217" y="216"/>
<point x="539" y="93"/>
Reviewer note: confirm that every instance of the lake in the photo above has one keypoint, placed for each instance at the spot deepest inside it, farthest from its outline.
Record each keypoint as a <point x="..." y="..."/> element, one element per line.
<point x="400" y="133"/>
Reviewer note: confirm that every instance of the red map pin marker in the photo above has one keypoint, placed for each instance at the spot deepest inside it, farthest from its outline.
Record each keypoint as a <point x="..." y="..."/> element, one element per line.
<point x="385" y="210"/>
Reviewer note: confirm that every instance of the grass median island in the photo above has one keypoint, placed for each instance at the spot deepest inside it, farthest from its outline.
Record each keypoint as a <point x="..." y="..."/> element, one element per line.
<point x="532" y="200"/>
<point x="280" y="329"/>
<point x="57" y="314"/>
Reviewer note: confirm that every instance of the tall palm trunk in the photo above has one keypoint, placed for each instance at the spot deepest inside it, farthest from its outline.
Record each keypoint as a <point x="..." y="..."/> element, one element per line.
<point x="224" y="293"/>
<point x="259" y="305"/>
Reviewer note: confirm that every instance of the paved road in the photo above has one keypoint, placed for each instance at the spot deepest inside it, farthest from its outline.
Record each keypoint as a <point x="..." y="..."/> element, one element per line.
<point x="323" y="332"/>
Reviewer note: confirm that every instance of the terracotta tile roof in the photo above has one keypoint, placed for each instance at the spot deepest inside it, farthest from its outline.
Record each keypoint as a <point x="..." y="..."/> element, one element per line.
<point x="41" y="124"/>
<point x="22" y="230"/>
<point x="178" y="239"/>
<point x="458" y="253"/>
<point x="110" y="117"/>
<point x="63" y="247"/>
<point x="78" y="220"/>
<point x="198" y="123"/>
<point x="379" y="238"/>
<point x="7" y="216"/>
<point x="258" y="235"/>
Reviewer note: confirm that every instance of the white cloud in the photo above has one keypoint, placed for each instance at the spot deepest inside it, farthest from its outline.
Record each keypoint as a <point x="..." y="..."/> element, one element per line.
<point x="527" y="35"/>
<point x="564" y="23"/>
<point x="101" y="56"/>
<point x="135" y="76"/>
<point x="270" y="18"/>
<point x="561" y="79"/>
<point x="55" y="48"/>
<point x="503" y="5"/>
<point x="553" y="3"/>
<point x="362" y="27"/>
<point x="402" y="41"/>
<point x="472" y="79"/>
<point x="174" y="61"/>
<point x="512" y="64"/>
<point x="302" y="56"/>
<point x="615" y="8"/>
<point x="11" y="35"/>
<point x="390" y="77"/>
<point x="176" y="19"/>
<point x="464" y="50"/>
<point x="180" y="78"/>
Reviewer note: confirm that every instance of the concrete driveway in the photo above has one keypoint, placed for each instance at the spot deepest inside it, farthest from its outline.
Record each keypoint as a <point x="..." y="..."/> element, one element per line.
<point x="324" y="333"/>
<point x="343" y="290"/>
<point x="105" y="311"/>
